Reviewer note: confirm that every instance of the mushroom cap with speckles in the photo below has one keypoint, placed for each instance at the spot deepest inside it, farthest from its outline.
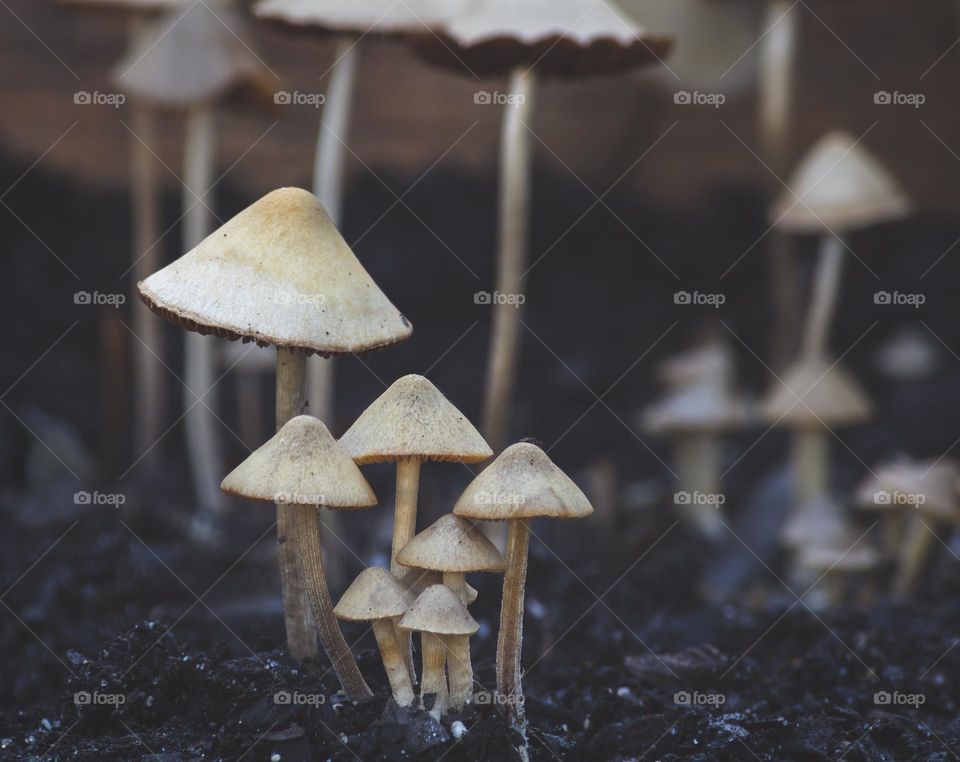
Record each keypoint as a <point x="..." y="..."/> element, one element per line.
<point x="374" y="594"/>
<point x="439" y="610"/>
<point x="360" y="17"/>
<point x="452" y="544"/>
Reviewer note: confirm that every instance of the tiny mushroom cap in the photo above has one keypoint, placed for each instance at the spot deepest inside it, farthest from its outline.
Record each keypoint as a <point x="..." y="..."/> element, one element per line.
<point x="278" y="273"/>
<point x="873" y="491"/>
<point x="361" y="17"/>
<point x="522" y="483"/>
<point x="374" y="594"/>
<point x="565" y="38"/>
<point x="187" y="58"/>
<point x="301" y="464"/>
<point x="440" y="611"/>
<point x="711" y="360"/>
<point x="927" y="486"/>
<point x="828" y="396"/>
<point x="841" y="187"/>
<point x="452" y="544"/>
<point x="412" y="419"/>
<point x="704" y="406"/>
<point x="841" y="553"/>
<point x="813" y="522"/>
<point x="418" y="581"/>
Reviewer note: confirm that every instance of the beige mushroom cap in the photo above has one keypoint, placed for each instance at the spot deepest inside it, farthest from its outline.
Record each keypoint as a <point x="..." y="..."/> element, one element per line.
<point x="439" y="610"/>
<point x="522" y="483"/>
<point x="703" y="406"/>
<point x="363" y="17"/>
<point x="278" y="273"/>
<point x="452" y="544"/>
<point x="568" y="38"/>
<point x="374" y="594"/>
<point x="416" y="581"/>
<point x="926" y="486"/>
<point x="842" y="187"/>
<point x="842" y="553"/>
<point x="413" y="419"/>
<point x="710" y="360"/>
<point x="190" y="57"/>
<point x="813" y="523"/>
<point x="301" y="464"/>
<point x="829" y="396"/>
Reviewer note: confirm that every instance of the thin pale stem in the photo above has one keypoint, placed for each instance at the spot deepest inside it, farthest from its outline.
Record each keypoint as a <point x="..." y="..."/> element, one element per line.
<point x="698" y="466"/>
<point x="913" y="554"/>
<point x="777" y="61"/>
<point x="301" y="640"/>
<point x="514" y="195"/>
<point x="811" y="463"/>
<point x="457" y="581"/>
<point x="393" y="661"/>
<point x="434" y="678"/>
<point x="404" y="528"/>
<point x="826" y="288"/>
<point x="459" y="670"/>
<point x="510" y="638"/>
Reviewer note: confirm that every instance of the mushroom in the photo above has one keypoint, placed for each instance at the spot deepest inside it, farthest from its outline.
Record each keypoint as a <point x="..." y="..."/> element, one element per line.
<point x="378" y="597"/>
<point x="186" y="61"/>
<point x="838" y="187"/>
<point x="872" y="495"/>
<point x="927" y="488"/>
<point x="349" y="22"/>
<point x="561" y="38"/>
<point x="418" y="580"/>
<point x="520" y="485"/>
<point x="834" y="557"/>
<point x="454" y="546"/>
<point x="301" y="468"/>
<point x="280" y="273"/>
<point x="817" y="517"/>
<point x="444" y="625"/>
<point x="910" y="354"/>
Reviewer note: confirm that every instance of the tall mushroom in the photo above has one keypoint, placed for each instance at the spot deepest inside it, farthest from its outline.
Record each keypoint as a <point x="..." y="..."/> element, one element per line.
<point x="378" y="597"/>
<point x="185" y="62"/>
<point x="444" y="624"/>
<point x="280" y="273"/>
<point x="548" y="38"/>
<point x="302" y="467"/>
<point x="520" y="485"/>
<point x="454" y="546"/>
<point x="837" y="188"/>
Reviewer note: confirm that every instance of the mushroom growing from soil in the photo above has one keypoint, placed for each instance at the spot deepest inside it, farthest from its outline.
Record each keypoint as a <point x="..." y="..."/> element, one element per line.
<point x="548" y="38"/>
<point x="280" y="273"/>
<point x="185" y="62"/>
<point x="444" y="625"/>
<point x="519" y="486"/>
<point x="833" y="558"/>
<point x="873" y="496"/>
<point x="376" y="596"/>
<point x="454" y="546"/>
<point x="302" y="468"/>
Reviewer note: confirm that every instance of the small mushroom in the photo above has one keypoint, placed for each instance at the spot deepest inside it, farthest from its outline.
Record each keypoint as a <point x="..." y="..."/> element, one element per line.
<point x="378" y="597"/>
<point x="454" y="546"/>
<point x="873" y="496"/>
<point x="280" y="273"/>
<point x="834" y="557"/>
<point x="520" y="485"/>
<point x="817" y="517"/>
<point x="444" y="625"/>
<point x="910" y="354"/>
<point x="301" y="467"/>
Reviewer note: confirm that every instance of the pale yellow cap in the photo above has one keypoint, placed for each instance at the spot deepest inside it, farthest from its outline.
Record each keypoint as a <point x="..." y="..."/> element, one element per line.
<point x="452" y="544"/>
<point x="828" y="396"/>
<point x="374" y="594"/>
<point x="439" y="610"/>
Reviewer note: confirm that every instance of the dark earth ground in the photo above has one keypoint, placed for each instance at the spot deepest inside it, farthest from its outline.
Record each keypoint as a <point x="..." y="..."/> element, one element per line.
<point x="117" y="601"/>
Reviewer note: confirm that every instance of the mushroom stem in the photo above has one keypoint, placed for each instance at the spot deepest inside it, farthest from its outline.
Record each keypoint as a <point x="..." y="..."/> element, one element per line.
<point x="306" y="538"/>
<point x="404" y="528"/>
<point x="301" y="640"/>
<point x="913" y="554"/>
<point x="200" y="399"/>
<point x="393" y="661"/>
<point x="434" y="679"/>
<point x="811" y="463"/>
<point x="698" y="469"/>
<point x="777" y="55"/>
<point x="892" y="530"/>
<point x="514" y="195"/>
<point x="460" y="670"/>
<point x="825" y="290"/>
<point x="511" y="620"/>
<point x="457" y="581"/>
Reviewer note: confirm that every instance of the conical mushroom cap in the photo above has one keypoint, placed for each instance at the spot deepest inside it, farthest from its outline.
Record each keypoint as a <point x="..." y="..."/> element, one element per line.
<point x="413" y="419"/>
<point x="566" y="38"/>
<point x="440" y="611"/>
<point x="813" y="522"/>
<point x="278" y="273"/>
<point x="301" y="464"/>
<point x="927" y="486"/>
<point x="842" y="187"/>
<point x="374" y="594"/>
<point x="840" y="553"/>
<point x="711" y="360"/>
<point x="829" y="396"/>
<point x="452" y="544"/>
<point x="361" y="17"/>
<point x="190" y="57"/>
<point x="522" y="483"/>
<point x="416" y="581"/>
<point x="704" y="406"/>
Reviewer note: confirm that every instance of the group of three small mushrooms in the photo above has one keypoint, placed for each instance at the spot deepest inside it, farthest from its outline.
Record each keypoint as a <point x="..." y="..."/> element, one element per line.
<point x="280" y="273"/>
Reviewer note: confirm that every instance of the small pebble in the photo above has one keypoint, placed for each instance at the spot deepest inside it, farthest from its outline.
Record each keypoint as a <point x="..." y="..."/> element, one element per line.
<point x="275" y="757"/>
<point x="586" y="724"/>
<point x="458" y="729"/>
<point x="45" y="724"/>
<point x="623" y="692"/>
